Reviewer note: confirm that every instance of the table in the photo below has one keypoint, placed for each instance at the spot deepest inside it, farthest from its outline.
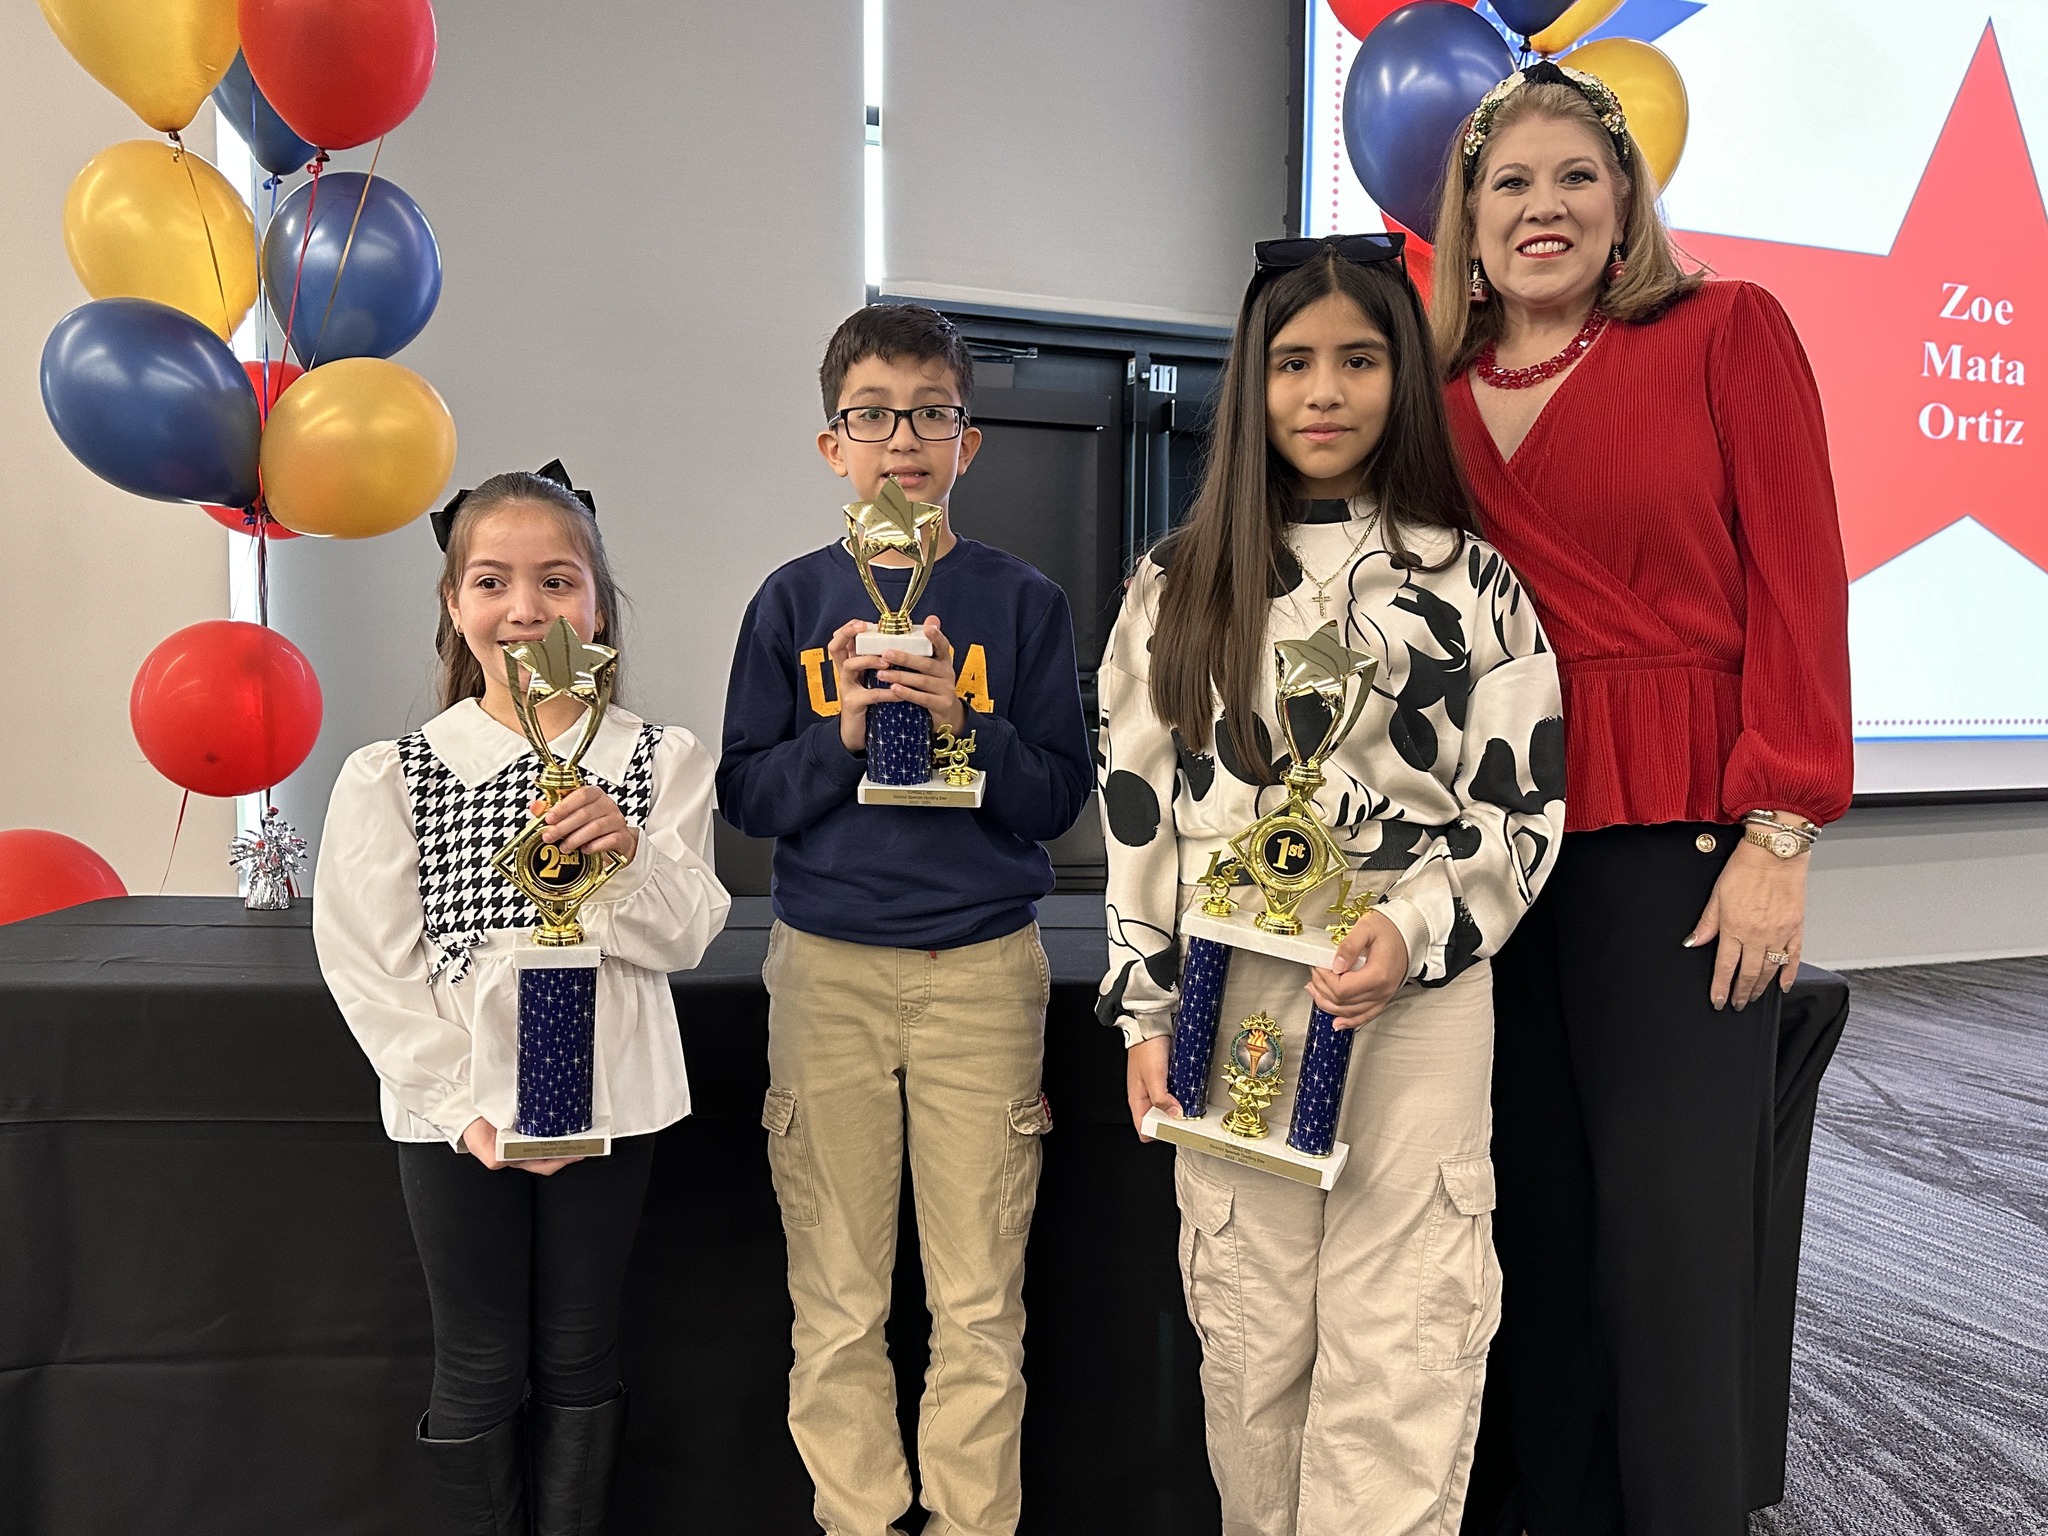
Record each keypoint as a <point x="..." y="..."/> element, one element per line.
<point x="212" y="1317"/>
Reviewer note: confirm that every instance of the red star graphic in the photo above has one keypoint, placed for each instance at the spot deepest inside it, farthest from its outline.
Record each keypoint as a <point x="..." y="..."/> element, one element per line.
<point x="1925" y="355"/>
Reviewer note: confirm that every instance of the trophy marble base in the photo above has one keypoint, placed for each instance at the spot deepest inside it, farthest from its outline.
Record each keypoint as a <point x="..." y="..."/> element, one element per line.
<point x="934" y="791"/>
<point x="872" y="642"/>
<point x="561" y="1033"/>
<point x="515" y="1148"/>
<point x="1312" y="946"/>
<point x="1270" y="1155"/>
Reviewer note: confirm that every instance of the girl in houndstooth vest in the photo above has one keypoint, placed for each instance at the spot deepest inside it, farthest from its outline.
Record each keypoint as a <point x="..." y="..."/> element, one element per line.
<point x="524" y="1264"/>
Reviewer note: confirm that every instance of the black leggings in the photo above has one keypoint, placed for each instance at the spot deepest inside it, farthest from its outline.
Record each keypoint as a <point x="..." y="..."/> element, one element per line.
<point x="524" y="1275"/>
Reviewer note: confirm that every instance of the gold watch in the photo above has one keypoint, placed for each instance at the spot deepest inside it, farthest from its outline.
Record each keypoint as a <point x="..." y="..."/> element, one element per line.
<point x="1781" y="841"/>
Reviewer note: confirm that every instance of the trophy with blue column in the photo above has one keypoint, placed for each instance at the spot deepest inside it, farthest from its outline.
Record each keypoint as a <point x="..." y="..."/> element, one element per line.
<point x="1286" y="857"/>
<point x="900" y="753"/>
<point x="557" y="968"/>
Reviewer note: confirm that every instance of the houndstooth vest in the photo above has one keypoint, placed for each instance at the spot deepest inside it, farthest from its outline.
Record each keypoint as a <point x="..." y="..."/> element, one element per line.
<point x="460" y="829"/>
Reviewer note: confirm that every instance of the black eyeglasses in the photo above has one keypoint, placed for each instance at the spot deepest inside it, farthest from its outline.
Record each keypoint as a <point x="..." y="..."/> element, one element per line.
<point x="1360" y="250"/>
<point x="878" y="423"/>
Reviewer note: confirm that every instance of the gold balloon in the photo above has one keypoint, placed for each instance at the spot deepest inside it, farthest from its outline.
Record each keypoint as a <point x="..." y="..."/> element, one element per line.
<point x="1652" y="97"/>
<point x="1575" y="23"/>
<point x="162" y="57"/>
<point x="356" y="448"/>
<point x="143" y="221"/>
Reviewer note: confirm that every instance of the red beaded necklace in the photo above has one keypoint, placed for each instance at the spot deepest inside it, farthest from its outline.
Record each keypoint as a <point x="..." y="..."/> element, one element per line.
<point x="1550" y="367"/>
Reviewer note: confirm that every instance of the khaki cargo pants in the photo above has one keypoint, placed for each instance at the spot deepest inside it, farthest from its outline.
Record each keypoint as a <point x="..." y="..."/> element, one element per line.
<point x="1344" y="1335"/>
<point x="866" y="1044"/>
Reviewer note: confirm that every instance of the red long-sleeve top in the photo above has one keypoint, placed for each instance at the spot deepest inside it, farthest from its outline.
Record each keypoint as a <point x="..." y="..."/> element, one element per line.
<point x="1672" y="514"/>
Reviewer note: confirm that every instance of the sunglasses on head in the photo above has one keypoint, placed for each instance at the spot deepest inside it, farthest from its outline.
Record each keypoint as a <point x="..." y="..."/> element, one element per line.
<point x="1274" y="256"/>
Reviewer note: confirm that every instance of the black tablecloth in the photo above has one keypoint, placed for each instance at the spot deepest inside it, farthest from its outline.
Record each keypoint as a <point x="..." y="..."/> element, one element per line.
<point x="212" y="1318"/>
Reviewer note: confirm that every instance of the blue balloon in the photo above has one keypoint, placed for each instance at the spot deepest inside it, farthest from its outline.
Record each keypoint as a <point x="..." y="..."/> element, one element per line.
<point x="1529" y="17"/>
<point x="1417" y="75"/>
<point x="242" y="107"/>
<point x="152" y="400"/>
<point x="389" y="284"/>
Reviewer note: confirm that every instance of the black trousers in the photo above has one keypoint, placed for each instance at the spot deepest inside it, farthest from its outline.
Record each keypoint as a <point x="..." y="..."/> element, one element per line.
<point x="524" y="1275"/>
<point x="1633" y="1149"/>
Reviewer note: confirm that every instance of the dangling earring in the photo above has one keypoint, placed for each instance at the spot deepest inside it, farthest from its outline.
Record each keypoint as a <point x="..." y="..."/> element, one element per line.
<point x="1616" y="266"/>
<point x="1479" y="291"/>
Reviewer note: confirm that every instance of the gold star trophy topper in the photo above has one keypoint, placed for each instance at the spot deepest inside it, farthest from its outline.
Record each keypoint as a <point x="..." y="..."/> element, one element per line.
<point x="557" y="665"/>
<point x="1289" y="852"/>
<point x="892" y="522"/>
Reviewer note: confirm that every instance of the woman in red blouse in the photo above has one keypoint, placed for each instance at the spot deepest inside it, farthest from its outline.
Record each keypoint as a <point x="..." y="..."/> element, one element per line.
<point x="1648" y="452"/>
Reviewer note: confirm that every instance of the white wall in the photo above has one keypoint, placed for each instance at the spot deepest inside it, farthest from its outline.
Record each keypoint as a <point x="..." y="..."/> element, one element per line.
<point x="97" y="577"/>
<point x="1907" y="886"/>
<point x="649" y="217"/>
<point x="1084" y="157"/>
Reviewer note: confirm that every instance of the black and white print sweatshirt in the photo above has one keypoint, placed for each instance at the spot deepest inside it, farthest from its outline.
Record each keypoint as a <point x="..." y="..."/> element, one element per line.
<point x="1447" y="797"/>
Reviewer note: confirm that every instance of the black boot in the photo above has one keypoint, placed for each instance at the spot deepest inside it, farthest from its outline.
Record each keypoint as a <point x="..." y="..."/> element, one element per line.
<point x="574" y="1450"/>
<point x="480" y="1483"/>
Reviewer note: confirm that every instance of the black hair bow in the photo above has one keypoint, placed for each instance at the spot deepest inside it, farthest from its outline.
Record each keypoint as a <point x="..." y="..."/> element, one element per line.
<point x="444" y="520"/>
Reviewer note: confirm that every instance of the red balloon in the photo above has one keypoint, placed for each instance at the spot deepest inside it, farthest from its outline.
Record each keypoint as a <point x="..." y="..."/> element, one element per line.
<point x="1361" y="16"/>
<point x="225" y="708"/>
<point x="1420" y="254"/>
<point x="339" y="72"/>
<point x="268" y="386"/>
<point x="242" y="522"/>
<point x="270" y="380"/>
<point x="44" y="871"/>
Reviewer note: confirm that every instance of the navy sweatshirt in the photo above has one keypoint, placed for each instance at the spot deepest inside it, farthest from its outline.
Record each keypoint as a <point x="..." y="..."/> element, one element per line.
<point x="905" y="876"/>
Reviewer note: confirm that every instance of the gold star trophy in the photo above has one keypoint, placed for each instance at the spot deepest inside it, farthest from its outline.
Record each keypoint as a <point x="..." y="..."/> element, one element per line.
<point x="1286" y="857"/>
<point x="557" y="970"/>
<point x="900" y="766"/>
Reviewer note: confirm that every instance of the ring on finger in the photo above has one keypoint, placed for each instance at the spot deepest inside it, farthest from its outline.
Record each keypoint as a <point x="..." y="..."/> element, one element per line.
<point x="1777" y="957"/>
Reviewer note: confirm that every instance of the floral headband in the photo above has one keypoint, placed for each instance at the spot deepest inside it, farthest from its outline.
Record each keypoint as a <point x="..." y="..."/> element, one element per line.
<point x="1605" y="104"/>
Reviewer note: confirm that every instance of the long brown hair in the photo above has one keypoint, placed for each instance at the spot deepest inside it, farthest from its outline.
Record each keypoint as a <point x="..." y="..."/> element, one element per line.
<point x="1210" y="637"/>
<point x="1652" y="278"/>
<point x="461" y="675"/>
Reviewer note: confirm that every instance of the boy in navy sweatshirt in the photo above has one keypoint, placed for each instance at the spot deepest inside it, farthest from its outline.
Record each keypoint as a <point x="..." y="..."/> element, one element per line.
<point x="907" y="986"/>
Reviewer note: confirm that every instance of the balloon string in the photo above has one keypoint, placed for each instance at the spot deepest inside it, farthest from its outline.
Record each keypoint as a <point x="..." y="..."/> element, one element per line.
<point x="299" y="273"/>
<point x="175" y="832"/>
<point x="334" y="289"/>
<point x="263" y="521"/>
<point x="260" y="228"/>
<point x="184" y="157"/>
<point x="259" y="514"/>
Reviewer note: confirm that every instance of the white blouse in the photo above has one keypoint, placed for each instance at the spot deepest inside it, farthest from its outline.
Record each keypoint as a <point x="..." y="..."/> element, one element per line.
<point x="442" y="1036"/>
<point x="1447" y="797"/>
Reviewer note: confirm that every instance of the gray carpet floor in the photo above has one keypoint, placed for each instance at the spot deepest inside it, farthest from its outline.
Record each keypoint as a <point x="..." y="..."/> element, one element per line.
<point x="1920" y="1371"/>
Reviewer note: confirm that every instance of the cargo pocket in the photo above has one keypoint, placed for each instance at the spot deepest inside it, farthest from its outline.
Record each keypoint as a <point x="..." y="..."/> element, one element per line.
<point x="1022" y="1154"/>
<point x="1208" y="1265"/>
<point x="789" y="1158"/>
<point x="1459" y="1307"/>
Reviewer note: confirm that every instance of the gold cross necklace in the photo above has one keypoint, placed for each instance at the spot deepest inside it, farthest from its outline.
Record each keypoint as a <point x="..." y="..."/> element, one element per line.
<point x="1322" y="598"/>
